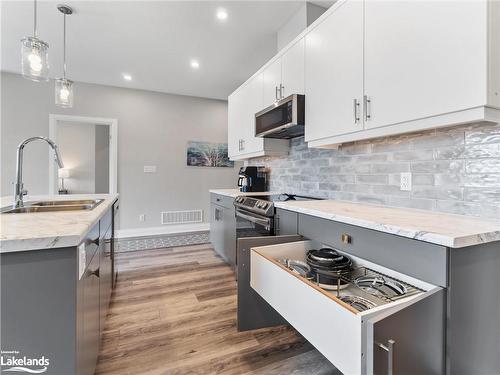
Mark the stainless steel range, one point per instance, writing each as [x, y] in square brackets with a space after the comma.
[255, 214]
[255, 223]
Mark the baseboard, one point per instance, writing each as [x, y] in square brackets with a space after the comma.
[167, 229]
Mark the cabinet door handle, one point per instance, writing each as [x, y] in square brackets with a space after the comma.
[276, 93]
[242, 145]
[389, 348]
[282, 88]
[94, 273]
[356, 110]
[368, 107]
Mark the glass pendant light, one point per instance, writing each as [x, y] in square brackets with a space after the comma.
[35, 55]
[64, 86]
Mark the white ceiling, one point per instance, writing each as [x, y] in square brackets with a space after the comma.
[153, 41]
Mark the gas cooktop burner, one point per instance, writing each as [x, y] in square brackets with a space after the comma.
[359, 303]
[381, 286]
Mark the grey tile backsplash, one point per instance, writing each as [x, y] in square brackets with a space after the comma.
[454, 170]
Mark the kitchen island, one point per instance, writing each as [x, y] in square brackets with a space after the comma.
[57, 273]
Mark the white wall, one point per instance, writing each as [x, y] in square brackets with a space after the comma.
[306, 15]
[102, 158]
[76, 143]
[153, 129]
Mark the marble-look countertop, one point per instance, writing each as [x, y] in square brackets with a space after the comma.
[452, 231]
[43, 230]
[233, 193]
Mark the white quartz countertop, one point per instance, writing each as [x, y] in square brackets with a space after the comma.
[233, 193]
[42, 230]
[442, 229]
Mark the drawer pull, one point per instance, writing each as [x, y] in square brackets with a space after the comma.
[94, 273]
[346, 238]
[389, 348]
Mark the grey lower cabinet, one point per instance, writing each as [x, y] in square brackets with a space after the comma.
[449, 327]
[90, 316]
[223, 228]
[96, 283]
[286, 222]
[217, 228]
[105, 276]
[400, 337]
[253, 312]
[54, 301]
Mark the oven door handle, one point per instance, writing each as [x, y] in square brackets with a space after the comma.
[265, 222]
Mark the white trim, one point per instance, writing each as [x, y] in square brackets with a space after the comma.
[463, 117]
[113, 147]
[152, 231]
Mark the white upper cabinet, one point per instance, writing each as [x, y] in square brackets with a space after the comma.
[233, 108]
[252, 96]
[424, 58]
[272, 83]
[334, 73]
[285, 75]
[292, 70]
[373, 69]
[242, 106]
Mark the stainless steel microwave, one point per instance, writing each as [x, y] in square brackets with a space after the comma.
[283, 119]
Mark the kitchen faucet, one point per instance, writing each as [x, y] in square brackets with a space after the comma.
[19, 191]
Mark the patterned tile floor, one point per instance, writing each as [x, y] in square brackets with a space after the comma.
[156, 242]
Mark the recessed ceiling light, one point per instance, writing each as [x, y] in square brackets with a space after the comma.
[195, 64]
[221, 14]
[127, 77]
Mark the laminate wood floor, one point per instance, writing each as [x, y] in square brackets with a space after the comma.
[174, 312]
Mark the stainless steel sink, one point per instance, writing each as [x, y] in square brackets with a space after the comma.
[53, 206]
[92, 202]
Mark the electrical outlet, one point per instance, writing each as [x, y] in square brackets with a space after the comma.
[142, 217]
[405, 184]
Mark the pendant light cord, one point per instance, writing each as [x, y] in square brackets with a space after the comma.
[64, 48]
[35, 31]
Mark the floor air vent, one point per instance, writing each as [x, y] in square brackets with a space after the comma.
[182, 217]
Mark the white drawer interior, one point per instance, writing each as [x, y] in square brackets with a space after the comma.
[333, 327]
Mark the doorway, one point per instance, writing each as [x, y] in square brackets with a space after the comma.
[88, 148]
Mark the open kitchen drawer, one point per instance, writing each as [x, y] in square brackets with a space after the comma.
[396, 337]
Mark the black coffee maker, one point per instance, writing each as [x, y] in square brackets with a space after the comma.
[252, 179]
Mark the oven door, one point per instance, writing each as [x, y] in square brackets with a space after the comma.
[249, 224]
